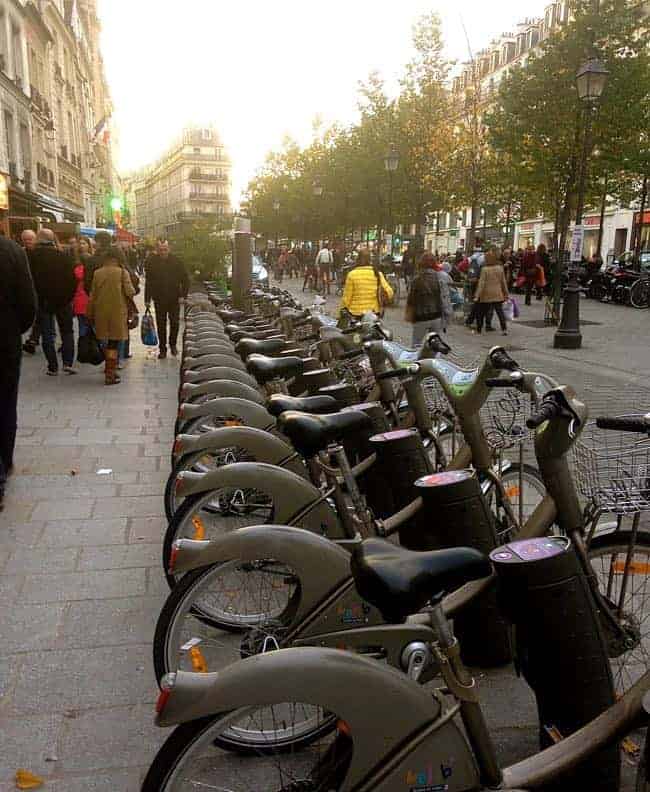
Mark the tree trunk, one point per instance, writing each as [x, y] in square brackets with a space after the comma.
[599, 244]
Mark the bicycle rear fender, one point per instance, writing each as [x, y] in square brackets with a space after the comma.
[230, 360]
[319, 564]
[262, 446]
[381, 706]
[250, 413]
[191, 377]
[296, 501]
[226, 387]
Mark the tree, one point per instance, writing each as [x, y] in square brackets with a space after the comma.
[203, 250]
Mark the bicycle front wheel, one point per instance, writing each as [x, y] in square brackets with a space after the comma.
[524, 494]
[640, 293]
[626, 589]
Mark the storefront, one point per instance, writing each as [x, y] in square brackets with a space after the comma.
[645, 229]
[525, 234]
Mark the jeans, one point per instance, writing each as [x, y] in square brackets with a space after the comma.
[166, 309]
[9, 377]
[485, 310]
[83, 325]
[64, 321]
[420, 329]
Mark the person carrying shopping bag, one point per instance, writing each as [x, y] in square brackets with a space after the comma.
[491, 292]
[108, 309]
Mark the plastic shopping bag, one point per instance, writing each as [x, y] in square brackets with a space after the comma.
[148, 329]
[515, 308]
[508, 310]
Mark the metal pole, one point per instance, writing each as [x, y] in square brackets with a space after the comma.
[242, 264]
[601, 229]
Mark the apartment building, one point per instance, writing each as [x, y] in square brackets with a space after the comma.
[55, 152]
[190, 181]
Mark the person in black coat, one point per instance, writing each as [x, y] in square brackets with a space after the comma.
[55, 283]
[166, 283]
[17, 310]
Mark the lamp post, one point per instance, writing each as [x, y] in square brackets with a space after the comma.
[590, 82]
[276, 209]
[391, 163]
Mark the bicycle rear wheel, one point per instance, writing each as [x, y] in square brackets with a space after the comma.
[529, 491]
[607, 554]
[640, 293]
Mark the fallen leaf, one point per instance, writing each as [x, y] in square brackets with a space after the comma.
[27, 780]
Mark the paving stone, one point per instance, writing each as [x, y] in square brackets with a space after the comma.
[148, 506]
[112, 451]
[156, 582]
[74, 533]
[158, 450]
[110, 622]
[121, 737]
[154, 477]
[28, 533]
[117, 781]
[120, 556]
[38, 560]
[5, 552]
[119, 463]
[72, 509]
[29, 628]
[69, 586]
[156, 489]
[10, 589]
[57, 681]
[147, 529]
[6, 669]
[27, 742]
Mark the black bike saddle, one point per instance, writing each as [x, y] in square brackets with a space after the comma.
[279, 403]
[310, 434]
[265, 368]
[401, 582]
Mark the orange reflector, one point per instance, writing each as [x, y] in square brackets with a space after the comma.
[635, 568]
[513, 491]
[343, 727]
[198, 661]
[232, 422]
[630, 747]
[177, 446]
[172, 558]
[199, 528]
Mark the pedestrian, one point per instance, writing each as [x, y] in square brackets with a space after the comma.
[292, 263]
[529, 271]
[491, 292]
[476, 263]
[103, 243]
[543, 269]
[28, 242]
[166, 283]
[424, 305]
[55, 283]
[324, 261]
[17, 311]
[408, 263]
[508, 266]
[80, 299]
[108, 309]
[311, 272]
[366, 289]
[282, 264]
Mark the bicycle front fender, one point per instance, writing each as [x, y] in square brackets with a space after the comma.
[226, 387]
[194, 350]
[296, 501]
[231, 360]
[319, 564]
[251, 413]
[196, 377]
[258, 444]
[365, 694]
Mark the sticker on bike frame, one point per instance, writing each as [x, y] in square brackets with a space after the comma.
[199, 527]
[530, 549]
[444, 479]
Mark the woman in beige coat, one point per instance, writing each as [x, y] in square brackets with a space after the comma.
[491, 292]
[108, 310]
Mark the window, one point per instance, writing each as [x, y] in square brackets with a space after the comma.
[17, 52]
[197, 150]
[25, 147]
[8, 120]
[206, 134]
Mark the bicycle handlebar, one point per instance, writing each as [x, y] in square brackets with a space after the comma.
[548, 410]
[500, 382]
[434, 341]
[502, 361]
[640, 424]
[395, 373]
[351, 354]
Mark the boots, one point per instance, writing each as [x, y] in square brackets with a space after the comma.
[110, 367]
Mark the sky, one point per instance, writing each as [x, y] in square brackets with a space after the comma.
[263, 70]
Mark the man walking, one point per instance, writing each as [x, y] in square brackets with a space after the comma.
[17, 309]
[324, 261]
[166, 284]
[55, 283]
[28, 241]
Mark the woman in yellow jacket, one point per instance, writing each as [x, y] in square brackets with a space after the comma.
[361, 292]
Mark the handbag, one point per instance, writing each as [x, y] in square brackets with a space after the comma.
[148, 329]
[89, 350]
[133, 317]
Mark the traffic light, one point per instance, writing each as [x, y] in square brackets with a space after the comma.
[116, 203]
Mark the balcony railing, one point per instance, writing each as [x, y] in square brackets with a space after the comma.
[201, 196]
[196, 175]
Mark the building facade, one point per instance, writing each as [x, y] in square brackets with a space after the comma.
[55, 152]
[191, 181]
[449, 230]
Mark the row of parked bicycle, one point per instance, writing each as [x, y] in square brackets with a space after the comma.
[345, 525]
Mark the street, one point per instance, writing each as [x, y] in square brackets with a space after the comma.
[80, 539]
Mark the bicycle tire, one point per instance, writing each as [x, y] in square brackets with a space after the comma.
[640, 293]
[617, 543]
[510, 481]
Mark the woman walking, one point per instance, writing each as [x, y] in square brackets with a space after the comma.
[80, 299]
[491, 292]
[426, 307]
[366, 289]
[108, 309]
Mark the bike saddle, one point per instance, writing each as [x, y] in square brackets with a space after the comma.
[310, 434]
[260, 346]
[401, 582]
[230, 315]
[259, 335]
[265, 368]
[279, 403]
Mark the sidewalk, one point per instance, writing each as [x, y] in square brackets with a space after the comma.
[81, 582]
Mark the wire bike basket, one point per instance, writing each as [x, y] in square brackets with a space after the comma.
[504, 416]
[613, 469]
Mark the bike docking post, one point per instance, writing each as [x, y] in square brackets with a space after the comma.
[559, 647]
[455, 514]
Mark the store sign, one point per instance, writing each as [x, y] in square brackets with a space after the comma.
[527, 227]
[4, 192]
[577, 239]
[646, 218]
[594, 220]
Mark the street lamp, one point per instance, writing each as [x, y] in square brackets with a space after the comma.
[590, 84]
[276, 209]
[391, 163]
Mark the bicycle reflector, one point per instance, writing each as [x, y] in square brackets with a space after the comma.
[177, 447]
[166, 686]
[173, 556]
